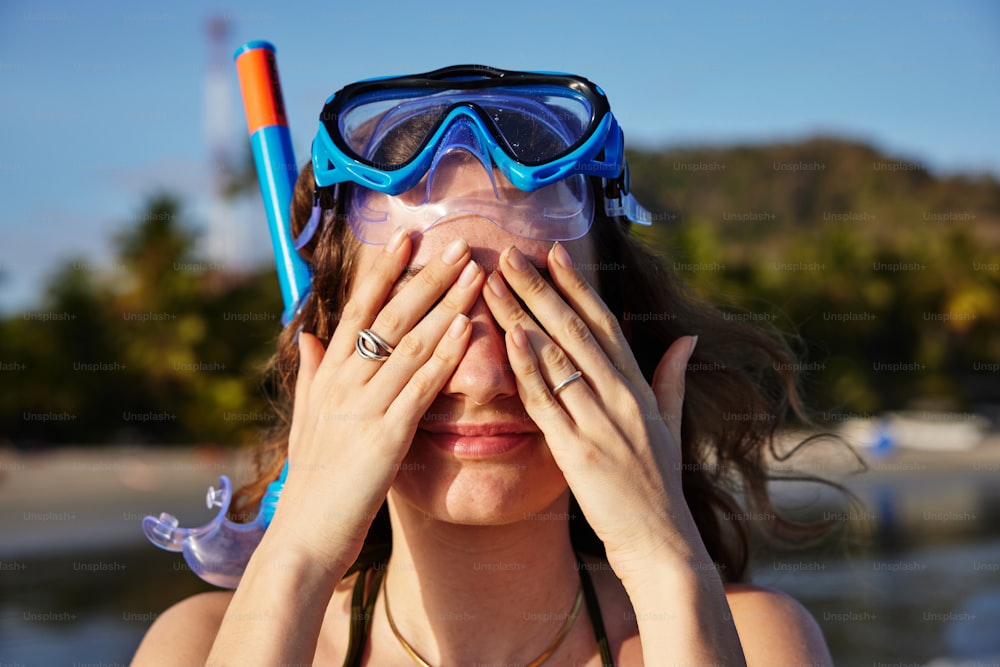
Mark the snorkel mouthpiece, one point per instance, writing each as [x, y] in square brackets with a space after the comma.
[219, 551]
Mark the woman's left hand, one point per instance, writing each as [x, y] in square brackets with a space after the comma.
[615, 437]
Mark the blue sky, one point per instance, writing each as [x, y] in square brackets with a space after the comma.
[104, 103]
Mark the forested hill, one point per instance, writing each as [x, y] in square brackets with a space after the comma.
[777, 186]
[889, 272]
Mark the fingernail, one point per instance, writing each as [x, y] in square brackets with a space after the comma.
[455, 251]
[516, 259]
[458, 326]
[694, 343]
[497, 285]
[396, 240]
[469, 273]
[520, 338]
[561, 256]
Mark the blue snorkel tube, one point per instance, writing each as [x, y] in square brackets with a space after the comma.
[219, 551]
[274, 159]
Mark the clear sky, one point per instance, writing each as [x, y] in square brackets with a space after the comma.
[104, 103]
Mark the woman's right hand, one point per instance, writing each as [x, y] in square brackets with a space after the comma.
[354, 418]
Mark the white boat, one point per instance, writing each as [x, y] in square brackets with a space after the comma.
[918, 429]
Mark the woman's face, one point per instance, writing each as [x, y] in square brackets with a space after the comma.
[477, 458]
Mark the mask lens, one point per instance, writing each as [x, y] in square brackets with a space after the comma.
[389, 132]
[541, 126]
[532, 124]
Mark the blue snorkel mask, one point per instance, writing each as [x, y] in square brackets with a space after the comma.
[538, 140]
[544, 134]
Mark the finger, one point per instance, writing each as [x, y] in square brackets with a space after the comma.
[372, 287]
[556, 372]
[547, 357]
[555, 393]
[669, 382]
[452, 271]
[601, 322]
[311, 353]
[424, 384]
[420, 343]
[533, 388]
[560, 321]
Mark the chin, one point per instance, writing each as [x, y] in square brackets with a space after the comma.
[486, 483]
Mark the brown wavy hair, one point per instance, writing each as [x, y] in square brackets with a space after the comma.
[741, 385]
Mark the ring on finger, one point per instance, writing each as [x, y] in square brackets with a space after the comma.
[372, 346]
[565, 383]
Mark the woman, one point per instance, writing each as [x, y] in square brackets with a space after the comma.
[489, 375]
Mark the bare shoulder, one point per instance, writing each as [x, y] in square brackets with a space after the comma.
[184, 633]
[775, 629]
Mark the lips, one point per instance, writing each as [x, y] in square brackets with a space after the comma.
[474, 441]
[480, 429]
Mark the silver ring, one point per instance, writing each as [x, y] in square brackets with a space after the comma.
[372, 346]
[562, 385]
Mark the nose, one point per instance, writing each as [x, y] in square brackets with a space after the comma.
[483, 375]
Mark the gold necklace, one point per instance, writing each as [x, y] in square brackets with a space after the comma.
[546, 654]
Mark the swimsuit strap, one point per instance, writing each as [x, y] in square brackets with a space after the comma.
[361, 615]
[594, 611]
[362, 611]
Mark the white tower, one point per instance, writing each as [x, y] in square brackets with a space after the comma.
[225, 240]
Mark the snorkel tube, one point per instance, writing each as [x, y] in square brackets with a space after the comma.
[274, 158]
[219, 551]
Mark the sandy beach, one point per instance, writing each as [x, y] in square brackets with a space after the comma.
[76, 498]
